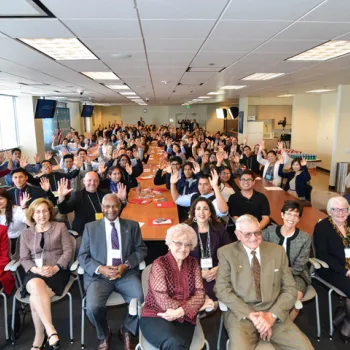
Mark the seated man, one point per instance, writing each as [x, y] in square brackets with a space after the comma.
[249, 201]
[256, 284]
[111, 250]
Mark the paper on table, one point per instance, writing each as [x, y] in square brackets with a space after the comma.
[146, 170]
[141, 224]
[273, 188]
[146, 177]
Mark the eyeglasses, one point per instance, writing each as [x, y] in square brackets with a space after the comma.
[185, 245]
[291, 215]
[250, 234]
[246, 180]
[37, 212]
[340, 210]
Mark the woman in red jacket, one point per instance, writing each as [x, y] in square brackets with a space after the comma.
[6, 279]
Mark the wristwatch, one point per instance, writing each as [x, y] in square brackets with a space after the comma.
[127, 265]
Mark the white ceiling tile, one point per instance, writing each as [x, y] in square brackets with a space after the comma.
[269, 10]
[182, 9]
[197, 78]
[85, 65]
[176, 28]
[220, 59]
[114, 45]
[91, 8]
[108, 57]
[288, 46]
[314, 31]
[104, 28]
[157, 44]
[171, 58]
[34, 28]
[331, 11]
[247, 30]
[230, 45]
[20, 8]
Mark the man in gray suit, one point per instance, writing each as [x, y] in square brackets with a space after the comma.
[110, 253]
[256, 284]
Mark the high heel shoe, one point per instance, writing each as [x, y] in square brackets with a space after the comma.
[42, 345]
[56, 345]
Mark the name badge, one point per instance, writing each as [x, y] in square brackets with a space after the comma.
[207, 263]
[98, 216]
[347, 253]
[39, 262]
[268, 177]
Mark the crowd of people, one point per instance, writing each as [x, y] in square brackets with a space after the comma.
[257, 269]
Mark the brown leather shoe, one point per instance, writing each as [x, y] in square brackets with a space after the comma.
[127, 339]
[104, 344]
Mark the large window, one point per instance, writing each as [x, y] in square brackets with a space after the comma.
[8, 122]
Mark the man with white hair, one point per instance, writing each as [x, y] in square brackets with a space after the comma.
[256, 284]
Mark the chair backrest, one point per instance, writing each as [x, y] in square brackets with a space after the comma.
[74, 246]
[144, 279]
[319, 199]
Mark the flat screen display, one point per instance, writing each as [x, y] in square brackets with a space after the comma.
[87, 111]
[45, 109]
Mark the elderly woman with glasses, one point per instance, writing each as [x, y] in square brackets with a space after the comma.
[45, 252]
[175, 293]
[332, 245]
[297, 245]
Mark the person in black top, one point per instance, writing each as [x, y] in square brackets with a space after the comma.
[19, 177]
[250, 161]
[249, 201]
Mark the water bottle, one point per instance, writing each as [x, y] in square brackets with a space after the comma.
[138, 191]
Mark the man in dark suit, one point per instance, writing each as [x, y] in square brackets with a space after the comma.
[111, 250]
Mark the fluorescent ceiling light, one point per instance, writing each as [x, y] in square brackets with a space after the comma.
[215, 93]
[204, 97]
[324, 52]
[286, 95]
[134, 96]
[61, 48]
[101, 75]
[319, 91]
[127, 93]
[137, 100]
[118, 87]
[197, 99]
[232, 87]
[263, 76]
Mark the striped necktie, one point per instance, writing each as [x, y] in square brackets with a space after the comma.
[255, 266]
[115, 243]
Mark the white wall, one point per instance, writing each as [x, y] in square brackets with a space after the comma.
[76, 121]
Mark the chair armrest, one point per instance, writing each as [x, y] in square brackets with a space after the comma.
[75, 265]
[142, 265]
[9, 265]
[314, 263]
[322, 263]
[73, 233]
[222, 306]
[133, 307]
[14, 267]
[80, 270]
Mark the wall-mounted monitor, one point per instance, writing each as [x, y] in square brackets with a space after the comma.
[45, 109]
[221, 113]
[87, 111]
[233, 112]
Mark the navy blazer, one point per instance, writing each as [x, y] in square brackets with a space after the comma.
[93, 249]
[300, 182]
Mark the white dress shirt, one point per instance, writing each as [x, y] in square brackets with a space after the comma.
[250, 256]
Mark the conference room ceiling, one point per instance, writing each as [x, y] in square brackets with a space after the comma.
[178, 49]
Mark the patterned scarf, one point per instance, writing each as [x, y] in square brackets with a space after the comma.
[345, 240]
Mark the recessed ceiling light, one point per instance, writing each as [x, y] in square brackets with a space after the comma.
[61, 48]
[232, 87]
[118, 87]
[121, 55]
[324, 52]
[137, 100]
[204, 97]
[215, 93]
[286, 95]
[319, 90]
[101, 75]
[127, 93]
[133, 96]
[263, 76]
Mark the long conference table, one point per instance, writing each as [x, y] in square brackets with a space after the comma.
[144, 213]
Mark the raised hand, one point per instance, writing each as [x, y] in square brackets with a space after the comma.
[62, 188]
[303, 162]
[220, 157]
[128, 168]
[200, 152]
[64, 152]
[53, 138]
[24, 200]
[205, 159]
[2, 156]
[163, 164]
[37, 158]
[196, 168]
[214, 179]
[195, 143]
[78, 162]
[102, 168]
[237, 158]
[135, 153]
[100, 142]
[121, 191]
[48, 155]
[45, 183]
[23, 162]
[174, 178]
[245, 140]
[280, 145]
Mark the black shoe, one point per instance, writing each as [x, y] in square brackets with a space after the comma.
[42, 345]
[344, 338]
[56, 345]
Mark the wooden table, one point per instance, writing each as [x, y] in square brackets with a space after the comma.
[276, 199]
[143, 212]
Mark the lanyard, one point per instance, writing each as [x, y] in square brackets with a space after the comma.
[207, 253]
[93, 203]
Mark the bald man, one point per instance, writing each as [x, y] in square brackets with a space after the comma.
[86, 203]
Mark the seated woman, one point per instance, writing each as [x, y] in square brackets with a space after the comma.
[332, 242]
[6, 279]
[297, 245]
[227, 184]
[297, 178]
[116, 176]
[175, 293]
[45, 252]
[211, 235]
[13, 216]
